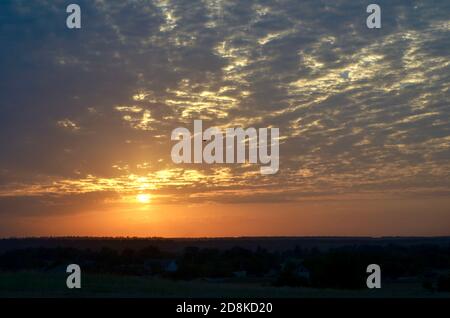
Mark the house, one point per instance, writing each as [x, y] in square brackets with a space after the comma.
[158, 266]
[302, 271]
[171, 266]
[240, 274]
[297, 268]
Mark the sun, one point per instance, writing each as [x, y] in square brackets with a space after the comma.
[143, 198]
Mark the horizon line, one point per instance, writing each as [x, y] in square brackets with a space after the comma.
[220, 237]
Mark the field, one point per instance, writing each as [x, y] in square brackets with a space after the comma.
[225, 268]
[35, 284]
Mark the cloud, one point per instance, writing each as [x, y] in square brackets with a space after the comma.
[360, 111]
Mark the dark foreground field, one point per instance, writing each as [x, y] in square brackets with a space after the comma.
[33, 284]
[241, 267]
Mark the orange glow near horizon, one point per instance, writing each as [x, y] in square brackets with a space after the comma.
[372, 218]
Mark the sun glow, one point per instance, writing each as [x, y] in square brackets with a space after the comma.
[143, 198]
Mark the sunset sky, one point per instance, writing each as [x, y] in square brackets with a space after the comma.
[86, 117]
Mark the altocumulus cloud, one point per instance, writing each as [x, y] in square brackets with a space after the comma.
[88, 113]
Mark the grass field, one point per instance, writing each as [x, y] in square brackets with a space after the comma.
[35, 284]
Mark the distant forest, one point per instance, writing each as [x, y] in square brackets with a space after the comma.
[340, 266]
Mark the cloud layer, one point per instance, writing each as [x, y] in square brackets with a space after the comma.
[86, 115]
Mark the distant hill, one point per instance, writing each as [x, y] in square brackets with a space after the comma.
[178, 244]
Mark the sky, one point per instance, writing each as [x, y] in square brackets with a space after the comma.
[86, 117]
